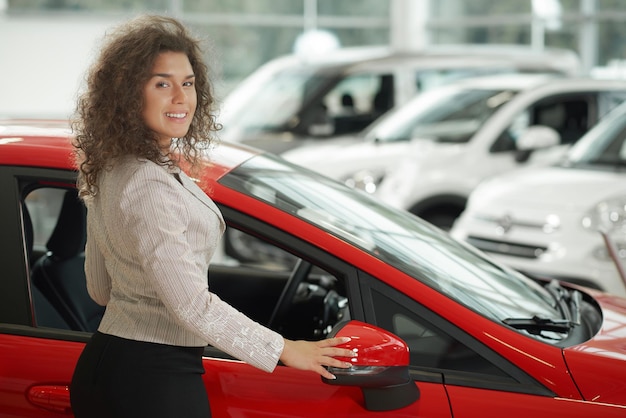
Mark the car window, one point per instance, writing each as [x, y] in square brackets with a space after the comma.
[54, 223]
[429, 346]
[44, 205]
[437, 346]
[271, 284]
[441, 115]
[241, 249]
[277, 100]
[353, 95]
[570, 115]
[349, 106]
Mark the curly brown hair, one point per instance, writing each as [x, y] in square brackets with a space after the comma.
[108, 125]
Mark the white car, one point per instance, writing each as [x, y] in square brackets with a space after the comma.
[427, 156]
[295, 100]
[546, 220]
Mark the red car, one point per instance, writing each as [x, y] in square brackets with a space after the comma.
[442, 331]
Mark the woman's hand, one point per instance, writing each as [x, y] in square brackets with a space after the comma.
[314, 355]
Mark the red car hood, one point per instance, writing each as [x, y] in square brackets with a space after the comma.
[598, 366]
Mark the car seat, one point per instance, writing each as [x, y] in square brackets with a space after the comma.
[60, 274]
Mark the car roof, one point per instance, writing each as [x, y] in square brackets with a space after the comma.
[513, 81]
[47, 143]
[359, 58]
[525, 81]
[35, 143]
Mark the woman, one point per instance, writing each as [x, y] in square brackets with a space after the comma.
[152, 232]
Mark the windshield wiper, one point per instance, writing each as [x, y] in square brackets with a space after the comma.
[536, 325]
[574, 302]
[567, 300]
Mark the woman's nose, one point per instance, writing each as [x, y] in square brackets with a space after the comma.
[179, 96]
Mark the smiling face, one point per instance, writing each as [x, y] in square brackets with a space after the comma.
[170, 97]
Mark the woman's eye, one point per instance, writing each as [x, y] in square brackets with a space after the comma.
[162, 84]
[188, 83]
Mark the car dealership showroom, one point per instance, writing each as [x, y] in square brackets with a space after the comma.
[385, 208]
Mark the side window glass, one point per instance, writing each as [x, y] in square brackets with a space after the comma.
[568, 116]
[242, 249]
[43, 205]
[353, 95]
[58, 285]
[429, 346]
[354, 103]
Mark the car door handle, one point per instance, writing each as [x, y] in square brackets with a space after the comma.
[54, 398]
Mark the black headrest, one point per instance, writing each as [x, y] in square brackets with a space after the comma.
[70, 233]
[347, 100]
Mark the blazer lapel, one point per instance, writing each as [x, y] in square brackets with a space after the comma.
[195, 190]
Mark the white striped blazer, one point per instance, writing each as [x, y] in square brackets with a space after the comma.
[150, 237]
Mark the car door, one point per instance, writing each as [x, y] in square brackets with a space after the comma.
[456, 374]
[36, 367]
[236, 389]
[36, 362]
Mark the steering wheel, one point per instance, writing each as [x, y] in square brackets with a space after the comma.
[299, 273]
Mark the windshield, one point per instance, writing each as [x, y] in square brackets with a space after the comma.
[443, 115]
[394, 236]
[271, 103]
[604, 145]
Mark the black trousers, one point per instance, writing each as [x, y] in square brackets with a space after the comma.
[121, 378]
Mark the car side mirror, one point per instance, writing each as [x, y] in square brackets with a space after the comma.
[381, 368]
[535, 137]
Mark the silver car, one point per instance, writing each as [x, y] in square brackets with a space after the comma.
[296, 100]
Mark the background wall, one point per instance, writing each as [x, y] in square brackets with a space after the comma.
[46, 45]
[42, 63]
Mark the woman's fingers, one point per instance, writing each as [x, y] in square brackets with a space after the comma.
[331, 342]
[325, 373]
[329, 347]
[339, 352]
[315, 356]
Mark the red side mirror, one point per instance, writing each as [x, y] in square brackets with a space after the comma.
[381, 368]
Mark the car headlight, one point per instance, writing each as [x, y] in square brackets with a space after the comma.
[366, 180]
[608, 215]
